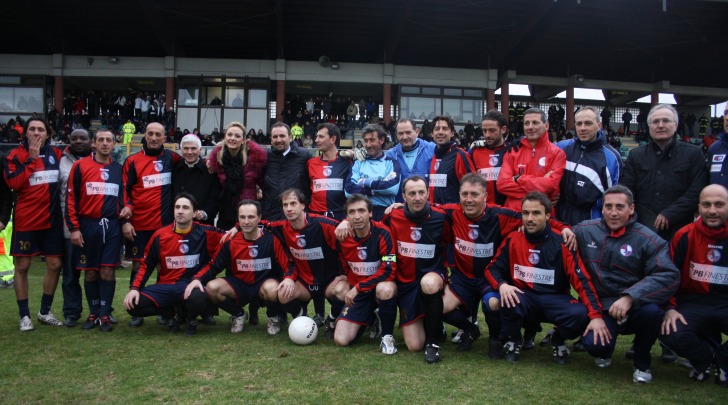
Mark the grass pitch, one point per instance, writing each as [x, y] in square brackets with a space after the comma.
[147, 364]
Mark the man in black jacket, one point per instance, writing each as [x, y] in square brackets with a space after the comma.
[191, 175]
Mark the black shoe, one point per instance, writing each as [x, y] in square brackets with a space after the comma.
[561, 355]
[329, 328]
[467, 339]
[173, 325]
[106, 325]
[136, 321]
[113, 320]
[190, 328]
[162, 321]
[699, 376]
[209, 320]
[432, 353]
[91, 322]
[668, 356]
[629, 354]
[513, 351]
[529, 342]
[495, 349]
[578, 346]
[70, 321]
[546, 341]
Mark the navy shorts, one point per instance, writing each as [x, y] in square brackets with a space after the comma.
[135, 250]
[101, 244]
[244, 293]
[317, 290]
[410, 303]
[48, 242]
[469, 291]
[165, 295]
[362, 312]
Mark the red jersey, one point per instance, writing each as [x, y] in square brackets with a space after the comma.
[148, 182]
[327, 184]
[448, 166]
[370, 260]
[488, 164]
[95, 191]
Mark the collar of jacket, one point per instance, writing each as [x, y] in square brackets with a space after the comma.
[668, 149]
[542, 141]
[538, 237]
[441, 150]
[595, 144]
[619, 232]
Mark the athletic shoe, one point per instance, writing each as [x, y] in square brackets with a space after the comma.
[125, 264]
[721, 377]
[26, 324]
[432, 353]
[273, 326]
[190, 328]
[629, 354]
[375, 328]
[319, 319]
[91, 322]
[329, 327]
[388, 345]
[209, 320]
[546, 341]
[578, 346]
[561, 355]
[642, 377]
[603, 362]
[467, 339]
[683, 362]
[699, 376]
[237, 323]
[70, 321]
[667, 356]
[495, 349]
[513, 351]
[457, 336]
[162, 321]
[113, 320]
[529, 341]
[136, 321]
[49, 319]
[106, 326]
[173, 325]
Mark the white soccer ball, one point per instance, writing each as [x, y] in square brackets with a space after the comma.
[302, 330]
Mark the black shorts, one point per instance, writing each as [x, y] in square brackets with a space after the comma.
[48, 242]
[410, 303]
[317, 290]
[165, 295]
[135, 249]
[244, 293]
[469, 291]
[101, 244]
[362, 312]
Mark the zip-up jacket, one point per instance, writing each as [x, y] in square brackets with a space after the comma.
[717, 154]
[376, 178]
[413, 162]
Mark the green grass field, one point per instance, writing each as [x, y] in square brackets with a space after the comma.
[147, 364]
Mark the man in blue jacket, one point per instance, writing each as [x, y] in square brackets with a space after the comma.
[412, 153]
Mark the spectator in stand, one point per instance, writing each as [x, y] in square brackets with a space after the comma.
[250, 135]
[626, 119]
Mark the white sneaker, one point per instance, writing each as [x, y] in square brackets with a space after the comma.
[458, 336]
[237, 323]
[26, 324]
[274, 325]
[49, 319]
[388, 345]
[603, 362]
[643, 377]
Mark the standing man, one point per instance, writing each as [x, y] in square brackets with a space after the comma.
[179, 250]
[626, 119]
[31, 170]
[129, 129]
[255, 262]
[80, 147]
[369, 261]
[488, 160]
[328, 173]
[377, 176]
[148, 194]
[606, 116]
[699, 310]
[633, 275]
[93, 203]
[191, 175]
[532, 164]
[592, 166]
[448, 165]
[286, 169]
[717, 153]
[413, 154]
[665, 175]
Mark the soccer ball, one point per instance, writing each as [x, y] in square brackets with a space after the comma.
[302, 330]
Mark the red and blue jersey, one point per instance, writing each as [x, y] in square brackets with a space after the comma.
[370, 260]
[179, 255]
[250, 261]
[95, 191]
[447, 167]
[36, 183]
[312, 248]
[148, 182]
[488, 163]
[327, 184]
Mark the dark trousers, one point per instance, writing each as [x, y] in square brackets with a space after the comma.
[71, 287]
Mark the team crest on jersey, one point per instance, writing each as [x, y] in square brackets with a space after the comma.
[473, 234]
[301, 241]
[718, 158]
[437, 164]
[713, 255]
[253, 252]
[362, 254]
[51, 160]
[415, 235]
[533, 258]
[104, 175]
[184, 248]
[626, 250]
[542, 162]
[158, 166]
[327, 171]
[493, 160]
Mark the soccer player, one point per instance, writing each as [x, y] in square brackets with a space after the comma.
[369, 261]
[532, 271]
[488, 160]
[448, 165]
[148, 183]
[328, 174]
[94, 200]
[311, 241]
[255, 262]
[180, 250]
[31, 170]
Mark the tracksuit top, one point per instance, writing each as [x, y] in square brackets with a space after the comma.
[95, 191]
[422, 153]
[448, 166]
[370, 260]
[717, 166]
[380, 177]
[148, 182]
[327, 183]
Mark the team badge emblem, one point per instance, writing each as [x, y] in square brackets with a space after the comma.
[473, 234]
[533, 258]
[437, 164]
[51, 160]
[415, 235]
[493, 160]
[362, 254]
[327, 171]
[104, 175]
[718, 158]
[184, 248]
[542, 162]
[626, 250]
[158, 166]
[713, 255]
[301, 242]
[253, 252]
